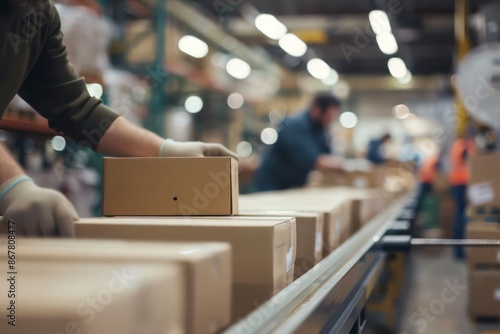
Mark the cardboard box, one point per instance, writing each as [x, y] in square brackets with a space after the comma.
[309, 236]
[263, 251]
[205, 266]
[484, 293]
[483, 255]
[94, 298]
[484, 184]
[170, 186]
[334, 209]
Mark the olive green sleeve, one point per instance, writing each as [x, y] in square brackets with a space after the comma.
[54, 90]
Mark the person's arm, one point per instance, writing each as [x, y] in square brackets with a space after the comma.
[8, 166]
[54, 90]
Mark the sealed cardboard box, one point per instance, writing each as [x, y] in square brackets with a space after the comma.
[484, 184]
[263, 251]
[484, 293]
[309, 236]
[334, 208]
[206, 268]
[170, 186]
[93, 298]
[483, 255]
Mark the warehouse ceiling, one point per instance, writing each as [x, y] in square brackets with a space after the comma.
[338, 31]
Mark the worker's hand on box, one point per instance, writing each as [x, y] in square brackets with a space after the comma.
[172, 148]
[36, 211]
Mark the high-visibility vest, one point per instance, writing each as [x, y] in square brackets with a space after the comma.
[427, 170]
[459, 174]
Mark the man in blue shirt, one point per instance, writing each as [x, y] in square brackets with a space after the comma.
[375, 149]
[303, 145]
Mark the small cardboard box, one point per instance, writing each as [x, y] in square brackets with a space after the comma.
[484, 183]
[334, 209]
[483, 255]
[94, 298]
[263, 251]
[309, 236]
[484, 293]
[206, 268]
[170, 186]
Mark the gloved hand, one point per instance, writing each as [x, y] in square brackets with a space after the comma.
[36, 211]
[172, 148]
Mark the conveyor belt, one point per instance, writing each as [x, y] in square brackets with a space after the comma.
[330, 298]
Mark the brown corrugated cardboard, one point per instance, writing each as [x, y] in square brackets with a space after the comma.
[484, 293]
[483, 255]
[309, 236]
[170, 186]
[263, 251]
[333, 207]
[95, 298]
[206, 266]
[484, 184]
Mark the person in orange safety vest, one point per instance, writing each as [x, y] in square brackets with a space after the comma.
[459, 177]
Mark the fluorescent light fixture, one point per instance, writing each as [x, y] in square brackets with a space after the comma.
[193, 104]
[348, 119]
[318, 68]
[401, 111]
[238, 68]
[293, 45]
[269, 136]
[244, 149]
[235, 101]
[379, 22]
[332, 78]
[387, 43]
[406, 79]
[270, 26]
[397, 67]
[193, 46]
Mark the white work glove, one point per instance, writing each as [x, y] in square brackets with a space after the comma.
[36, 211]
[172, 148]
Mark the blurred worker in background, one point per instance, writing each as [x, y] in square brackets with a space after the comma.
[459, 177]
[426, 175]
[377, 149]
[303, 145]
[35, 65]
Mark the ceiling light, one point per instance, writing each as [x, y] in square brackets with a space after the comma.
[332, 79]
[193, 104]
[397, 67]
[58, 143]
[193, 46]
[407, 78]
[293, 45]
[244, 149]
[387, 43]
[348, 119]
[95, 90]
[379, 21]
[238, 68]
[270, 26]
[318, 68]
[269, 136]
[235, 101]
[401, 111]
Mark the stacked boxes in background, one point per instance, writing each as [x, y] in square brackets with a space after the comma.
[335, 210]
[484, 223]
[484, 271]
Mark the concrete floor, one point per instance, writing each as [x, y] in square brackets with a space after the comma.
[422, 309]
